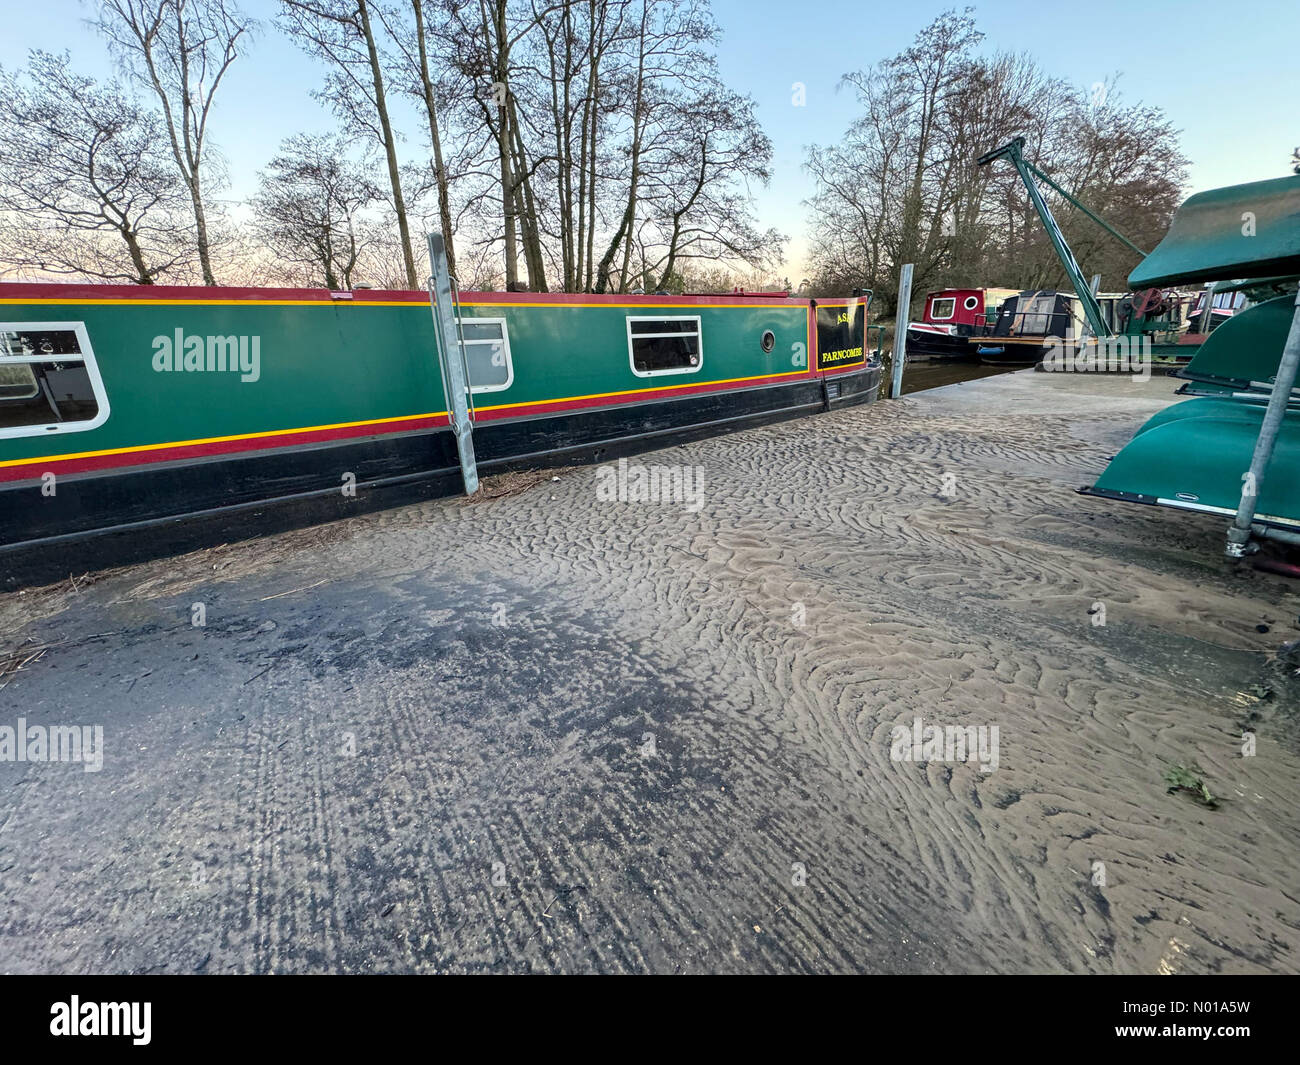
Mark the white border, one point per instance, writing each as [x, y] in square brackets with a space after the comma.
[505, 339]
[92, 371]
[699, 336]
[943, 299]
[1205, 508]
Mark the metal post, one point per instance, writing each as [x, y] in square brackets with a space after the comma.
[451, 360]
[1207, 315]
[1239, 533]
[1094, 286]
[900, 330]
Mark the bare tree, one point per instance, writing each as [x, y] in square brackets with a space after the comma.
[696, 198]
[670, 58]
[87, 183]
[310, 206]
[342, 32]
[486, 38]
[486, 60]
[902, 185]
[413, 40]
[624, 140]
[181, 50]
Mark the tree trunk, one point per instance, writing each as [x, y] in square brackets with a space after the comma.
[496, 31]
[435, 135]
[593, 96]
[201, 230]
[526, 205]
[390, 148]
[137, 256]
[591, 198]
[624, 233]
[638, 132]
[588, 105]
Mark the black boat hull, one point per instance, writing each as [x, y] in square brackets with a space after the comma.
[121, 516]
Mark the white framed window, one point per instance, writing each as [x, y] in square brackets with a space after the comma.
[940, 310]
[49, 381]
[971, 302]
[487, 351]
[664, 345]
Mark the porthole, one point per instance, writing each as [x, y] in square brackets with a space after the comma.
[970, 303]
[769, 340]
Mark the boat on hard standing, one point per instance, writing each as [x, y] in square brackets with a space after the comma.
[1234, 449]
[126, 408]
[950, 318]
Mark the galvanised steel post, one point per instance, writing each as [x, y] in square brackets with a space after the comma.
[1239, 533]
[900, 331]
[451, 360]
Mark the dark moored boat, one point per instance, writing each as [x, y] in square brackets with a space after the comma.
[1028, 324]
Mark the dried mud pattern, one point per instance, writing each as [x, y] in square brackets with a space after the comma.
[519, 745]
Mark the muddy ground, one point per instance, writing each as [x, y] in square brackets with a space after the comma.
[542, 732]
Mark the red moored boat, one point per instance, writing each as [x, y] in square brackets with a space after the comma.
[952, 316]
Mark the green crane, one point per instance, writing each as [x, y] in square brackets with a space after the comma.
[1027, 170]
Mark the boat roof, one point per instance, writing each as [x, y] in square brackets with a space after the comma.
[1045, 292]
[82, 292]
[1238, 284]
[1250, 230]
[1002, 293]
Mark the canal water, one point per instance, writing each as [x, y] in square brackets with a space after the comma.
[920, 376]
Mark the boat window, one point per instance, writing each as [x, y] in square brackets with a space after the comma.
[971, 302]
[1038, 314]
[48, 379]
[664, 345]
[487, 350]
[1230, 301]
[941, 309]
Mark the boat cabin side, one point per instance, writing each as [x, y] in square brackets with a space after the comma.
[1039, 313]
[963, 311]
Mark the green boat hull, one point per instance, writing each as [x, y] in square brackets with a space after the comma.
[1243, 353]
[1198, 455]
[1194, 455]
[124, 410]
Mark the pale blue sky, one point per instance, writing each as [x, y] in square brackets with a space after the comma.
[1228, 77]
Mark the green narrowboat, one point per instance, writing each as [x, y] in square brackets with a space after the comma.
[123, 409]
